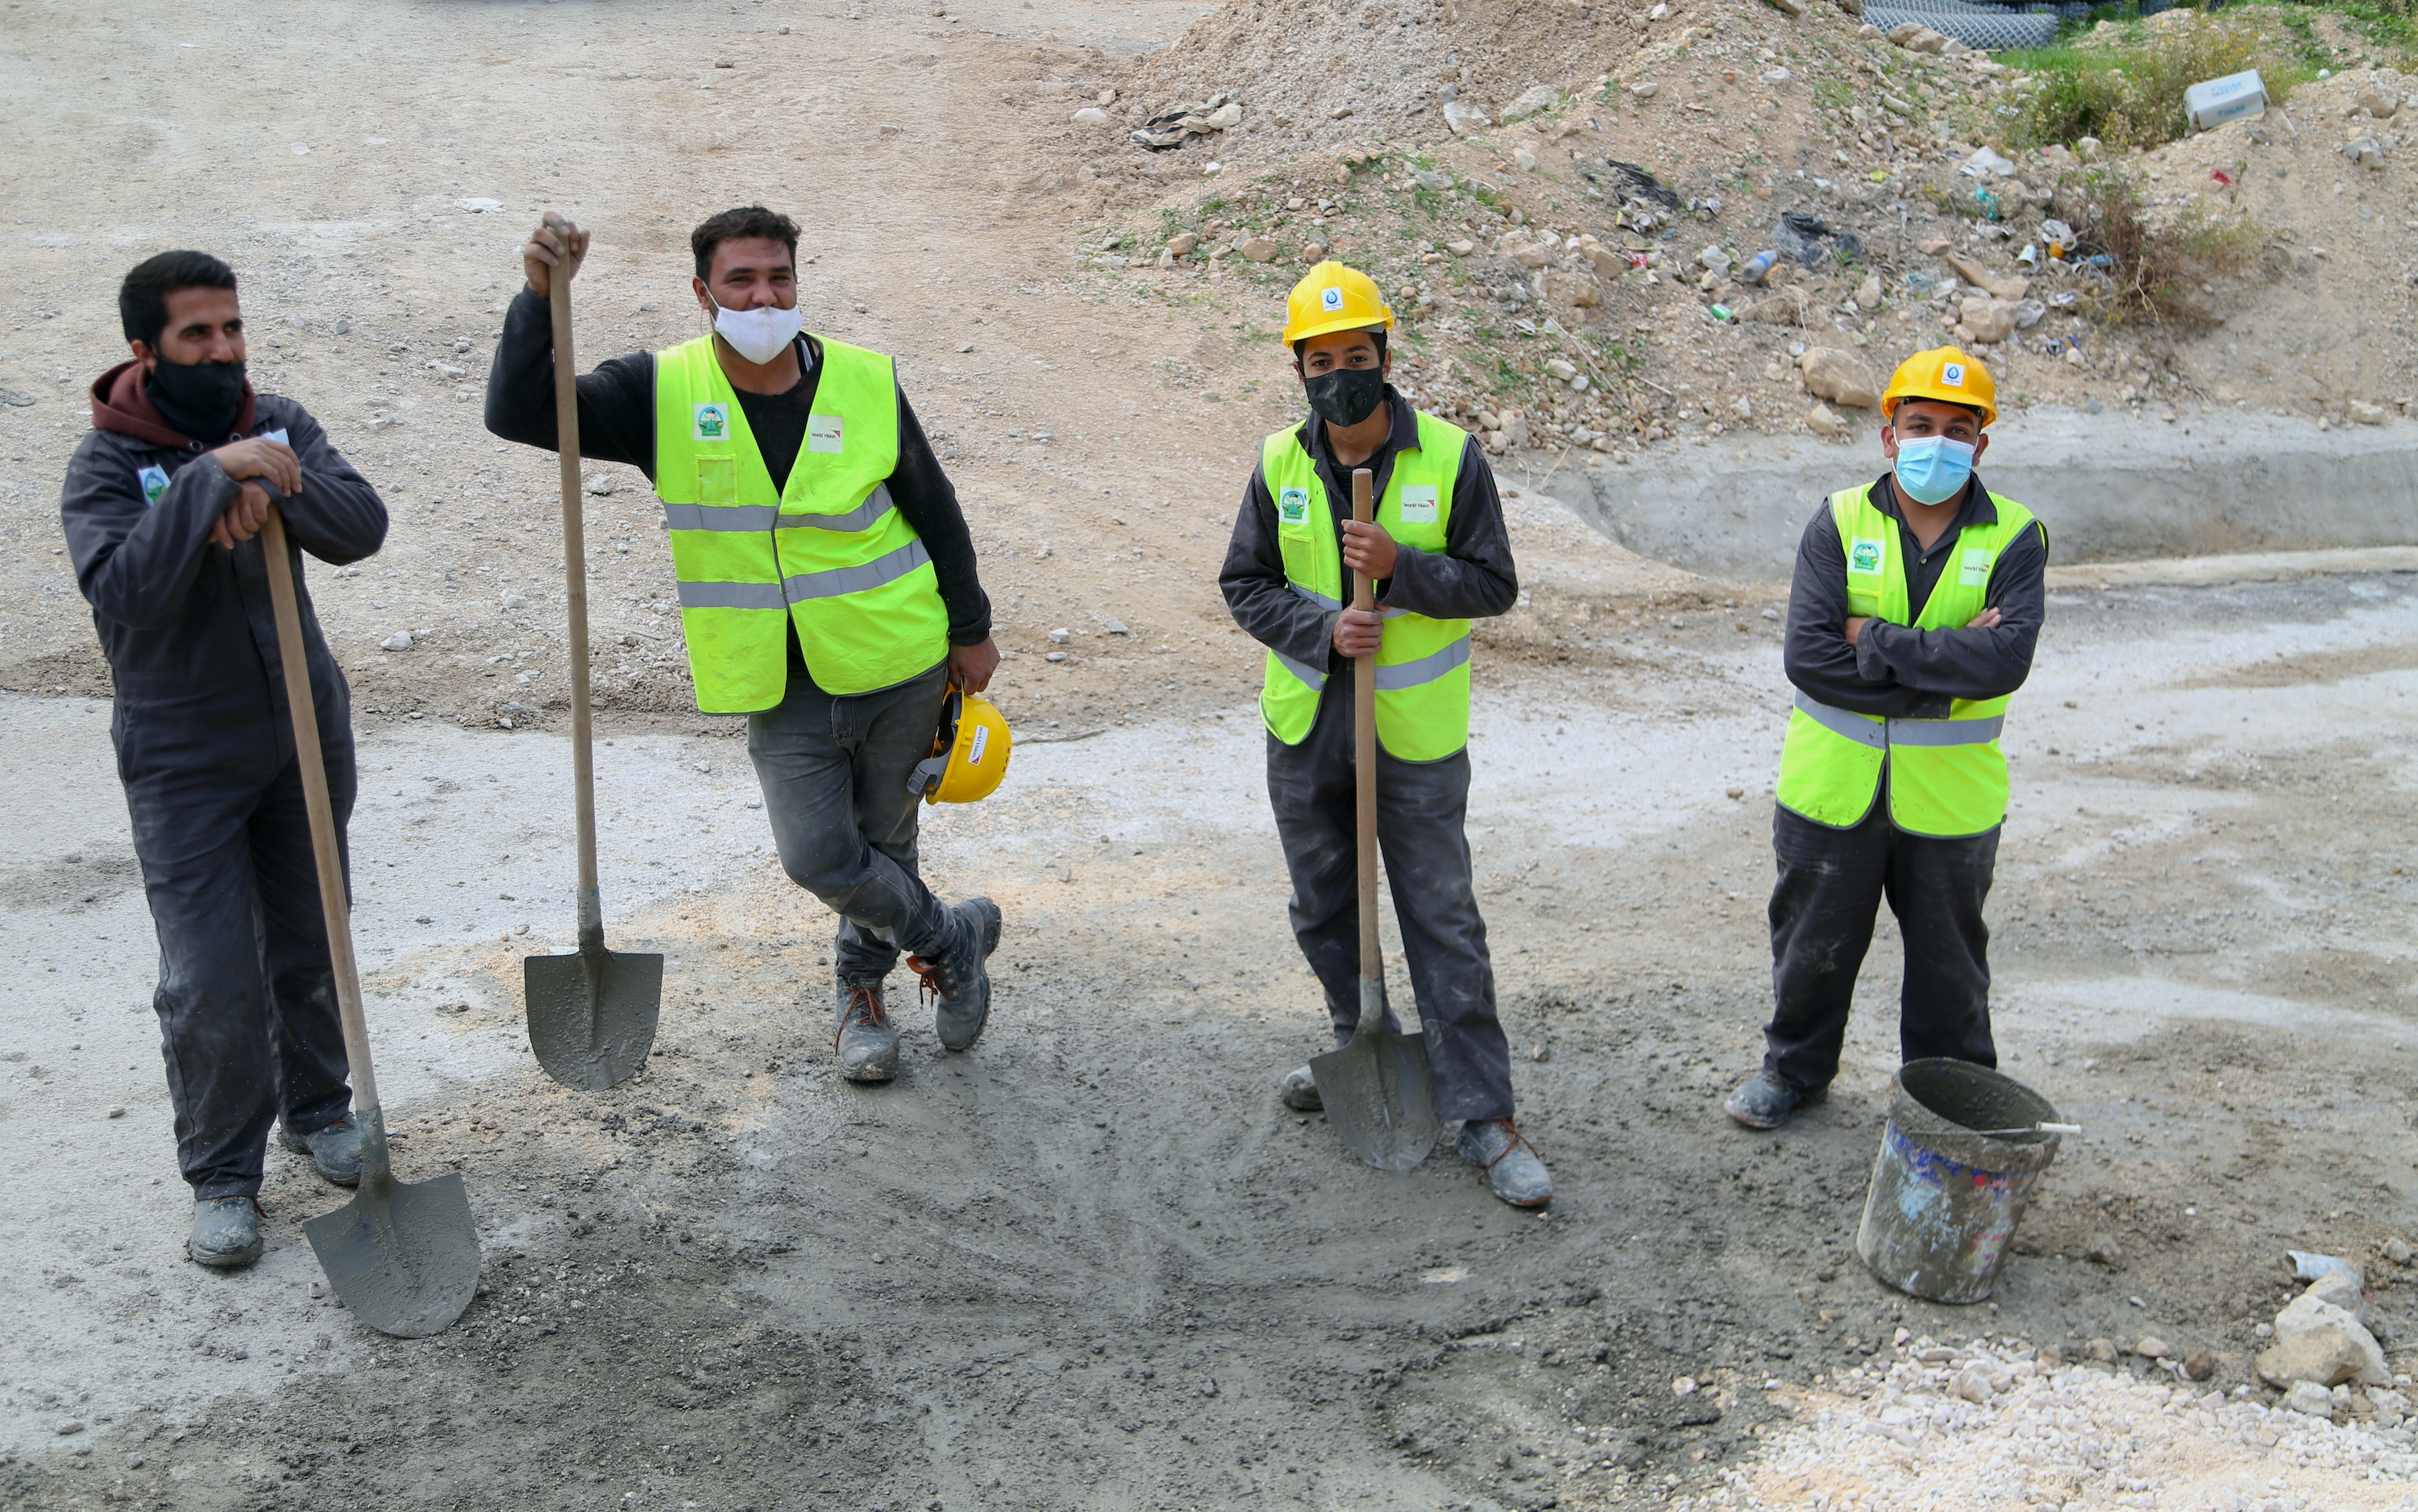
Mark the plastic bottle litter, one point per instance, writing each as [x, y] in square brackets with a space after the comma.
[1757, 267]
[1714, 260]
[2233, 97]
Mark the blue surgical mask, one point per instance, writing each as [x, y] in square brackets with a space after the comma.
[1934, 469]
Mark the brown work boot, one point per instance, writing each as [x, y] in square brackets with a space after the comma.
[862, 1041]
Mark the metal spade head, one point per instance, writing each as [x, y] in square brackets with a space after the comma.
[404, 1256]
[1379, 1098]
[591, 1017]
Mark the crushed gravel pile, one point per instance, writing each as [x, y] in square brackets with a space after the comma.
[1998, 1426]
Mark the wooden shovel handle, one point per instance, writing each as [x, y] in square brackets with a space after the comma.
[1364, 747]
[574, 564]
[332, 905]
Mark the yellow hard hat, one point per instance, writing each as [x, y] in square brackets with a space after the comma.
[1947, 375]
[969, 756]
[1331, 297]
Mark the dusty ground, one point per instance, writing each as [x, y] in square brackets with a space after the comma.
[1093, 1262]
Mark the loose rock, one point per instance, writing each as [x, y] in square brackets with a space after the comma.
[399, 641]
[2311, 1399]
[1534, 100]
[1833, 374]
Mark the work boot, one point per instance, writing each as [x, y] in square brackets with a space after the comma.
[334, 1151]
[1513, 1167]
[955, 978]
[226, 1231]
[862, 1041]
[1300, 1092]
[1763, 1101]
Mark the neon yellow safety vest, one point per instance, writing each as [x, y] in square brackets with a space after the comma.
[829, 553]
[1947, 777]
[1422, 663]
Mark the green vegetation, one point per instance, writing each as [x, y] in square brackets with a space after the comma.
[2130, 93]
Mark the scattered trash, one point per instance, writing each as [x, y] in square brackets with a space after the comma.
[1992, 207]
[2029, 312]
[1714, 260]
[2235, 97]
[1722, 311]
[2308, 1267]
[1757, 267]
[2055, 231]
[1637, 184]
[2220, 177]
[480, 207]
[1920, 284]
[2029, 256]
[1801, 236]
[1984, 163]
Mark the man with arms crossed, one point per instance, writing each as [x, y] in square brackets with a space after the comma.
[827, 589]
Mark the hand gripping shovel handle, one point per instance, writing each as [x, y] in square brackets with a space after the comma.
[1364, 767]
[575, 562]
[378, 1173]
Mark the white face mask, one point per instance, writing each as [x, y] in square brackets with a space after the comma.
[758, 335]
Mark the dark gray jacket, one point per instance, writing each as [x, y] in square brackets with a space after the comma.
[1897, 671]
[1472, 578]
[187, 625]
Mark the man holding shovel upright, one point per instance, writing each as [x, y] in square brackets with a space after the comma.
[162, 508]
[1441, 557]
[827, 589]
[1915, 609]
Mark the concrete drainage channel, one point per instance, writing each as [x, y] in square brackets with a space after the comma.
[2108, 488]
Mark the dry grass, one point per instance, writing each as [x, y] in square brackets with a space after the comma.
[2161, 272]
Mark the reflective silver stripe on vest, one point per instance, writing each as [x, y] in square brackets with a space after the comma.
[732, 596]
[863, 517]
[1319, 599]
[1945, 731]
[1308, 675]
[1882, 734]
[742, 517]
[1424, 670]
[839, 581]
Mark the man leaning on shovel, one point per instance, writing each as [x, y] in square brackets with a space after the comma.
[827, 587]
[162, 506]
[1441, 557]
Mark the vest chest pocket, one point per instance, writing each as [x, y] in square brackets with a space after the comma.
[717, 480]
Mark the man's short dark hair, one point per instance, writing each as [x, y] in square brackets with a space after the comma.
[1974, 410]
[143, 298]
[1376, 334]
[746, 222]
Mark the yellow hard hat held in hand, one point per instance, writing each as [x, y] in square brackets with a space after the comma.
[969, 757]
[1331, 297]
[1947, 375]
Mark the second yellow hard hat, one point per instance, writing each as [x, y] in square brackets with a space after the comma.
[1332, 296]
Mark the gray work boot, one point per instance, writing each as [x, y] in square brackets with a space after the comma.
[1300, 1092]
[862, 1041]
[1498, 1148]
[226, 1231]
[1763, 1101]
[955, 978]
[334, 1151]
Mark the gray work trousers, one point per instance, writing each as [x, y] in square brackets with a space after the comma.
[1823, 909]
[1420, 810]
[249, 1028]
[834, 770]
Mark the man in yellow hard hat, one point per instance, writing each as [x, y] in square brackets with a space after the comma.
[1441, 557]
[1916, 606]
[827, 589]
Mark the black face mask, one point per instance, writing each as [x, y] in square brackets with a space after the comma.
[199, 399]
[1346, 396]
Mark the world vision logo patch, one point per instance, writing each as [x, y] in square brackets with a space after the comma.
[1864, 556]
[712, 423]
[1293, 506]
[154, 482]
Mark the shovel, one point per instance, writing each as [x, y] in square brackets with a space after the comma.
[403, 1256]
[1377, 1090]
[591, 1017]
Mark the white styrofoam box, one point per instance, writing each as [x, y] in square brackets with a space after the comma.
[2229, 99]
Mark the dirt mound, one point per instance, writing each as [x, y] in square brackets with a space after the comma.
[1567, 204]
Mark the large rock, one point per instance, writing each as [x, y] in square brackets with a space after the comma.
[2343, 1289]
[1463, 117]
[1981, 278]
[1534, 100]
[1837, 377]
[1578, 290]
[2316, 1340]
[1987, 321]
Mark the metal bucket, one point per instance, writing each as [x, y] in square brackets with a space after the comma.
[1945, 1199]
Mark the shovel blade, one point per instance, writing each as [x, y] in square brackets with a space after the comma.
[591, 1018]
[1379, 1098]
[404, 1258]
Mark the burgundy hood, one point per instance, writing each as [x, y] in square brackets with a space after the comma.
[120, 404]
